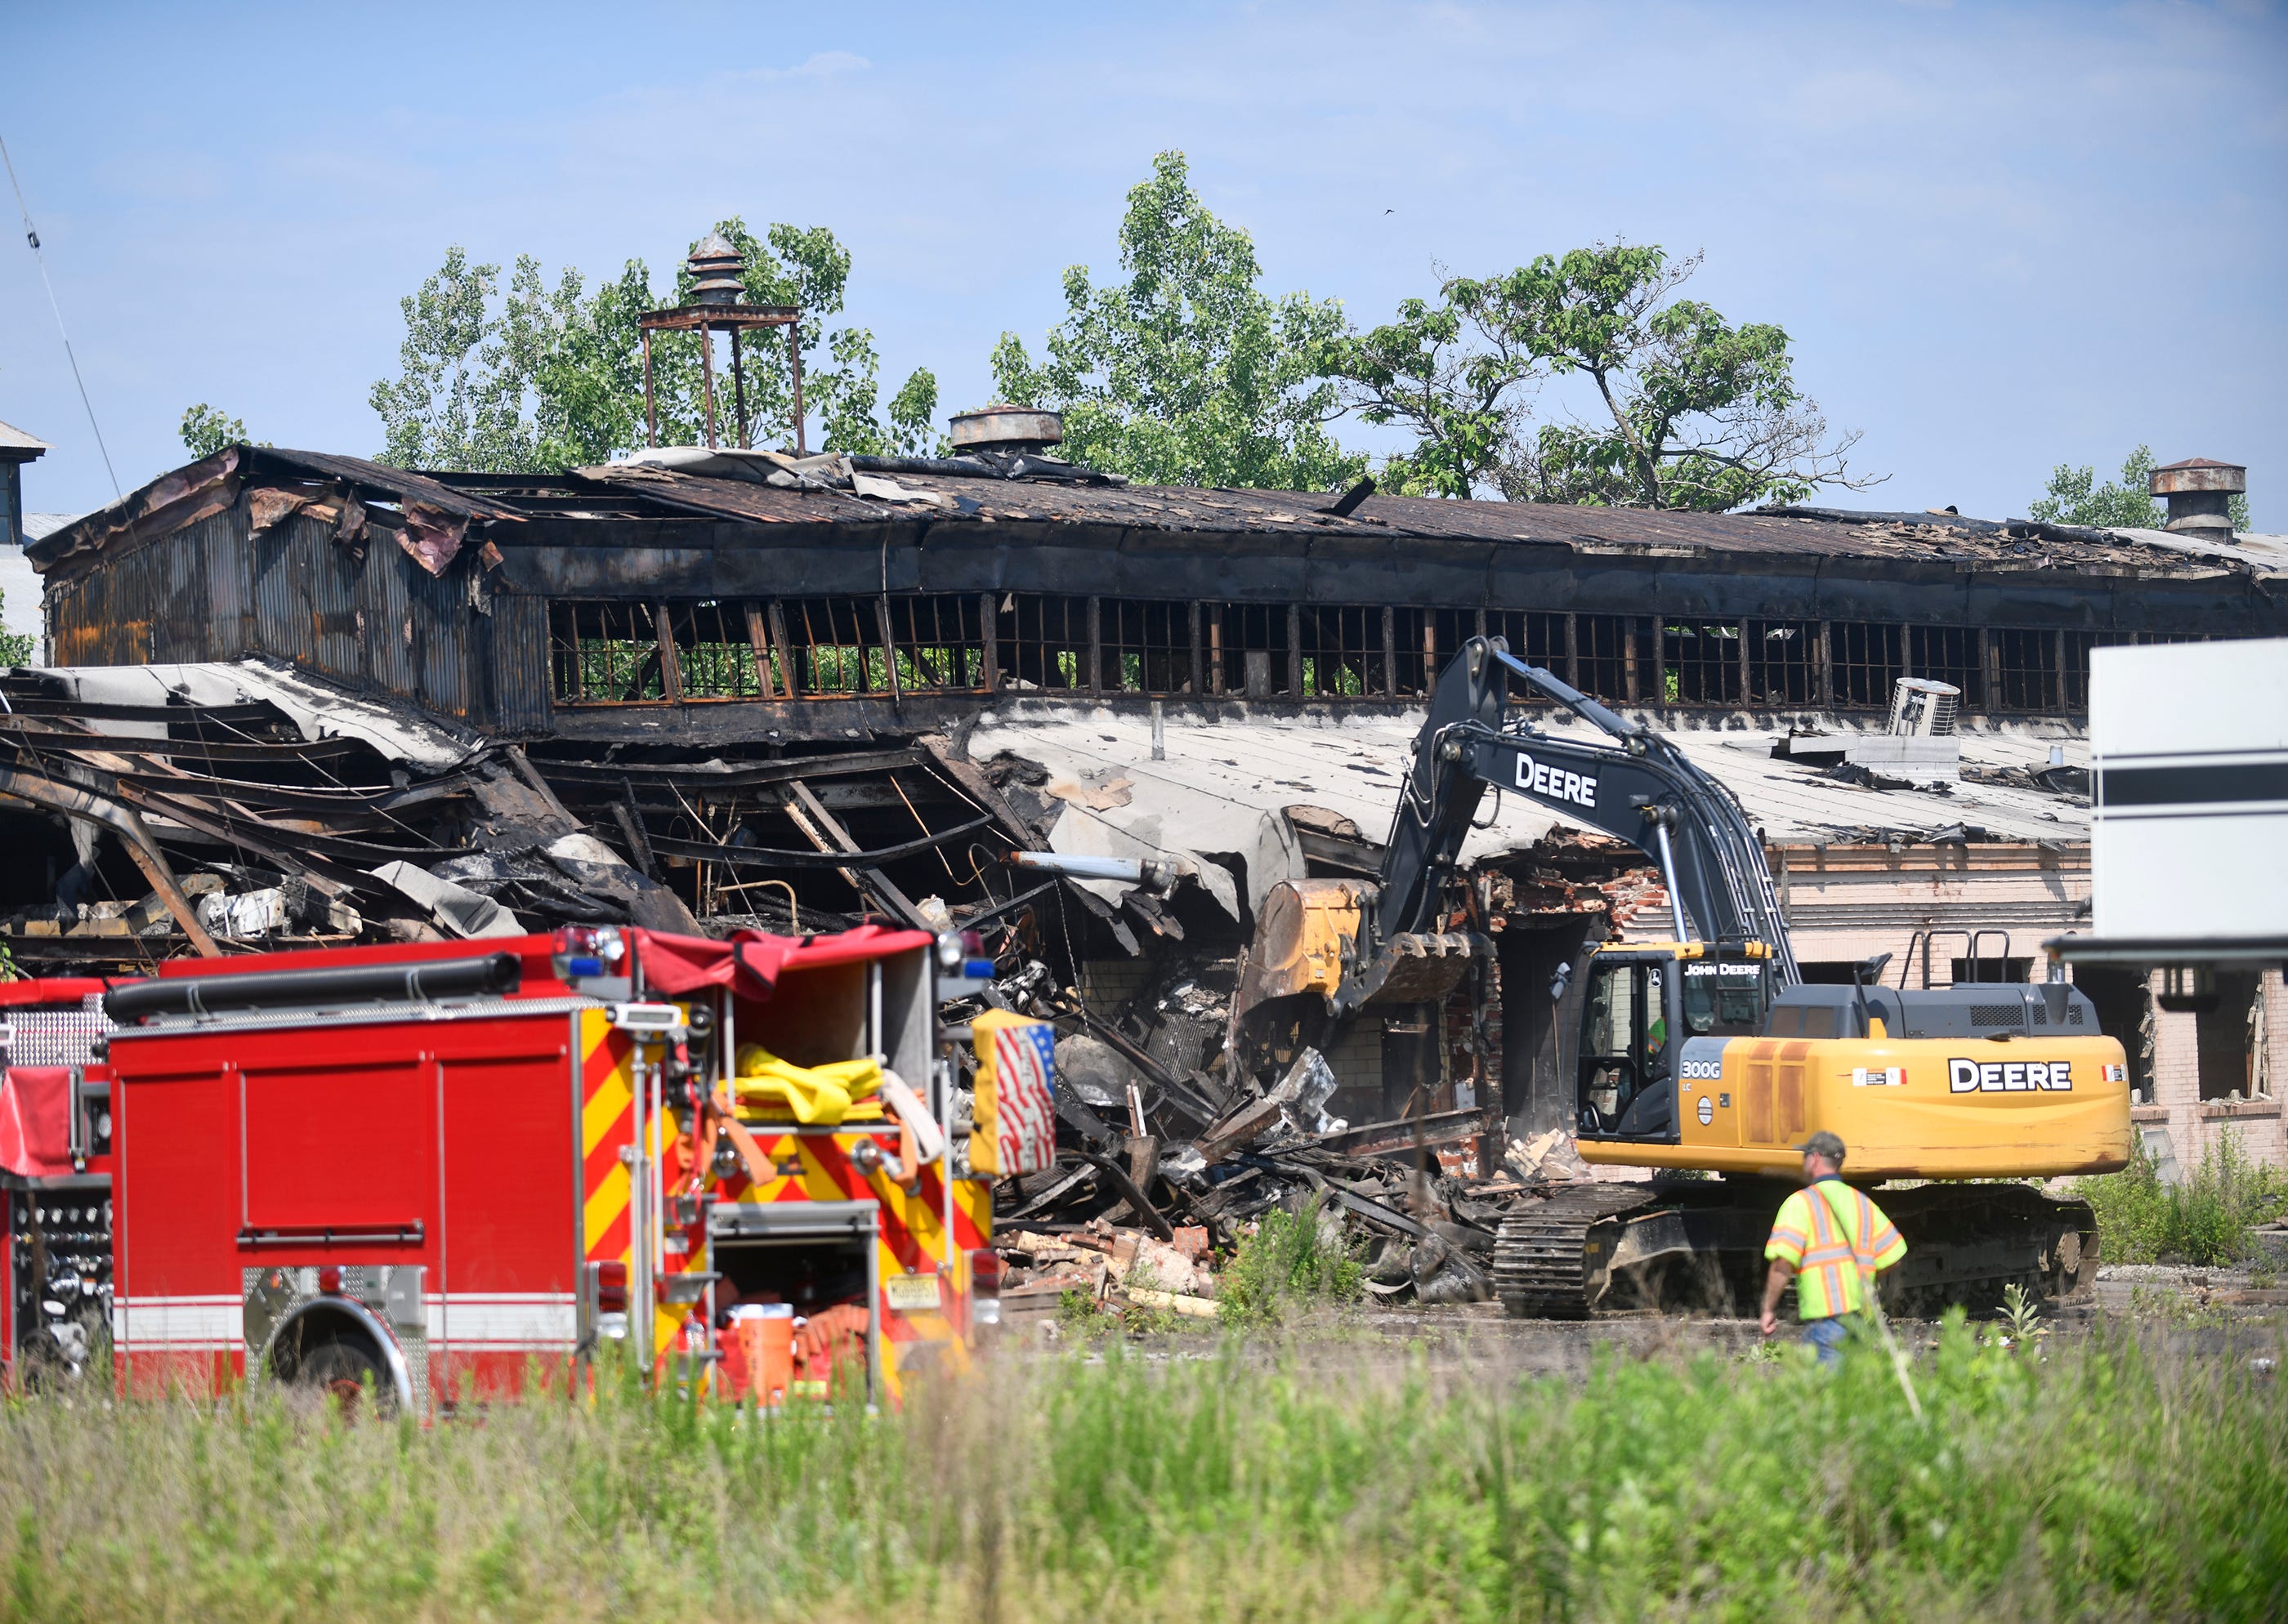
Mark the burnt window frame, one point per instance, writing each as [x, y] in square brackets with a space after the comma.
[1042, 644]
[1145, 646]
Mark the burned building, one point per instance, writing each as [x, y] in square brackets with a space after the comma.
[789, 690]
[693, 595]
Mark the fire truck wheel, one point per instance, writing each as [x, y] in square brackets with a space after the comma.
[347, 1372]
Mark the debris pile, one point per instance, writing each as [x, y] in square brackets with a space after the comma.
[1159, 1178]
[155, 811]
[192, 807]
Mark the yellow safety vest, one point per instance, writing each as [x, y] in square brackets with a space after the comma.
[1837, 1239]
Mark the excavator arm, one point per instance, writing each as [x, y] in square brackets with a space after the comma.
[1334, 946]
[1640, 788]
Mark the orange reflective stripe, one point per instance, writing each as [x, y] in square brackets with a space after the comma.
[1823, 1287]
[1826, 1237]
[1831, 1279]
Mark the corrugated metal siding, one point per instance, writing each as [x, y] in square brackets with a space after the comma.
[182, 629]
[335, 590]
[230, 586]
[520, 664]
[441, 642]
[282, 612]
[212, 591]
[388, 617]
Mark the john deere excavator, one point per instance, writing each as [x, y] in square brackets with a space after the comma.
[1708, 1054]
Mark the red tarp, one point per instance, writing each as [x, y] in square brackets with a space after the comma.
[752, 960]
[34, 1121]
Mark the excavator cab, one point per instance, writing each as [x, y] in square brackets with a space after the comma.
[1641, 1004]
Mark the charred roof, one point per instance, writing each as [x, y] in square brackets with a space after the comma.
[916, 493]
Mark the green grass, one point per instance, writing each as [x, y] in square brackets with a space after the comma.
[1287, 1262]
[2202, 1220]
[1317, 1482]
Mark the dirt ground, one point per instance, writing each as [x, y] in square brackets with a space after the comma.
[2205, 1312]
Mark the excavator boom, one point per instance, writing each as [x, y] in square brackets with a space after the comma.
[1640, 788]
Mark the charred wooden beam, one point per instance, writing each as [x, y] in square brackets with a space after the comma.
[765, 857]
[824, 831]
[75, 801]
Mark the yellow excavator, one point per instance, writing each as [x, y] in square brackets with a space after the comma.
[1708, 1054]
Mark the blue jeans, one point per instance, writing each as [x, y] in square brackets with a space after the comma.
[1828, 1336]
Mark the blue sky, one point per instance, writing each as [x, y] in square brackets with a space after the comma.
[2001, 236]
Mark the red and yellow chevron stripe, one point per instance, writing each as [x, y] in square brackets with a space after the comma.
[818, 1167]
[608, 1124]
[610, 1064]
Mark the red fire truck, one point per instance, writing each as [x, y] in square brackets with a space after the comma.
[55, 1179]
[431, 1171]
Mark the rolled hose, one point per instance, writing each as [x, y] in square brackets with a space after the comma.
[306, 989]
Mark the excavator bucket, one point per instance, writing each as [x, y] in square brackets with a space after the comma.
[1305, 937]
[1307, 964]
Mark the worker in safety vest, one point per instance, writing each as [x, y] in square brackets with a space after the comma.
[1833, 1242]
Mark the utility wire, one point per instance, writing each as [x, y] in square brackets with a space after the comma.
[33, 237]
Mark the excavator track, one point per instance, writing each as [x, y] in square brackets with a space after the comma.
[1543, 1267]
[1699, 1245]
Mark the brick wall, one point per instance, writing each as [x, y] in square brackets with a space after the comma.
[1355, 1057]
[2195, 1125]
[1107, 984]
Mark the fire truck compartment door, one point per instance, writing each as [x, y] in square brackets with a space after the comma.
[351, 1145]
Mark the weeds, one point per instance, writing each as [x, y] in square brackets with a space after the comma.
[2204, 1220]
[1081, 1314]
[1292, 1258]
[2021, 1315]
[2107, 1480]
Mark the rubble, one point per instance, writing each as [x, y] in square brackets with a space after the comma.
[1139, 1219]
[1547, 1158]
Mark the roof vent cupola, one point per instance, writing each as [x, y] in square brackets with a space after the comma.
[1014, 430]
[718, 271]
[2199, 492]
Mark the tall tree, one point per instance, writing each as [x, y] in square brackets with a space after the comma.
[540, 377]
[1688, 410]
[459, 399]
[1185, 372]
[2073, 496]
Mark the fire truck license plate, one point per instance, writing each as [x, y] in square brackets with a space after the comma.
[913, 1293]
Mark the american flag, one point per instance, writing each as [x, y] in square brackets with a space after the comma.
[1024, 1111]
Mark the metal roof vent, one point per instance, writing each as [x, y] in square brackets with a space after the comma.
[1012, 429]
[718, 271]
[1921, 707]
[2198, 491]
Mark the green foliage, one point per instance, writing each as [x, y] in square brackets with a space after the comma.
[1291, 1260]
[2104, 1480]
[459, 399]
[2073, 496]
[1692, 412]
[1081, 1313]
[1453, 376]
[18, 647]
[537, 378]
[2204, 1220]
[207, 430]
[1187, 373]
[2021, 1315]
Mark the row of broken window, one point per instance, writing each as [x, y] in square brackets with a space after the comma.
[621, 652]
